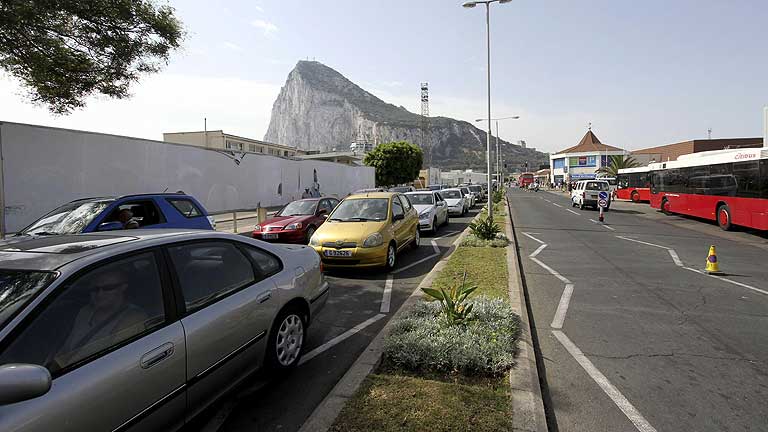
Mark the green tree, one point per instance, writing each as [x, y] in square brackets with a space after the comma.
[617, 162]
[395, 162]
[63, 51]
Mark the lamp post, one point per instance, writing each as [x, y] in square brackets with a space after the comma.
[487, 3]
[498, 154]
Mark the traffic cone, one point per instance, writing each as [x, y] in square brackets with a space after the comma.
[712, 265]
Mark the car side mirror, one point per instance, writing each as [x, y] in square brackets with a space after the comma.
[324, 216]
[322, 211]
[20, 382]
[110, 226]
[398, 217]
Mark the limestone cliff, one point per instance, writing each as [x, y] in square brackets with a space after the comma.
[319, 109]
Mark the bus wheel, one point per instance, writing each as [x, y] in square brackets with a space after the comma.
[635, 197]
[724, 217]
[665, 207]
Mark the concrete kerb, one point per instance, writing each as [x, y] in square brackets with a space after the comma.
[325, 414]
[527, 403]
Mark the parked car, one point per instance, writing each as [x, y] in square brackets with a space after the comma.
[458, 203]
[367, 230]
[432, 209]
[434, 187]
[470, 196]
[478, 191]
[296, 222]
[585, 193]
[142, 330]
[362, 191]
[402, 189]
[164, 210]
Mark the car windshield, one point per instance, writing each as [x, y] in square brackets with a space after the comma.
[451, 194]
[465, 190]
[298, 208]
[70, 218]
[425, 198]
[18, 287]
[363, 209]
[597, 186]
[475, 188]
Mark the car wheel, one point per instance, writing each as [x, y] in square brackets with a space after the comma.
[724, 217]
[389, 262]
[286, 339]
[581, 206]
[435, 226]
[416, 239]
[666, 208]
[635, 197]
[310, 231]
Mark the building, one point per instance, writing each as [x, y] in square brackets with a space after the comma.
[582, 160]
[219, 140]
[348, 158]
[671, 152]
[457, 177]
[543, 176]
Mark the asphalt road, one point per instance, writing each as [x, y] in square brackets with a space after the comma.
[354, 314]
[645, 341]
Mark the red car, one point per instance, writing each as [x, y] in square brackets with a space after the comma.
[296, 222]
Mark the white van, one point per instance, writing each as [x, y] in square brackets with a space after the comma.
[585, 193]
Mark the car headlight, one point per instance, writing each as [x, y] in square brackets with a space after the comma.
[257, 228]
[294, 226]
[426, 215]
[314, 241]
[373, 240]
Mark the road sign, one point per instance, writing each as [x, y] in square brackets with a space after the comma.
[602, 203]
[603, 196]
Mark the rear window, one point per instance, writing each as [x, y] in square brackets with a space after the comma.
[186, 207]
[597, 186]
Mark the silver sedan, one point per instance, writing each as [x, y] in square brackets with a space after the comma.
[143, 330]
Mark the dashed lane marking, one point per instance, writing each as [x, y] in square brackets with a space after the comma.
[387, 295]
[569, 210]
[532, 237]
[537, 251]
[562, 307]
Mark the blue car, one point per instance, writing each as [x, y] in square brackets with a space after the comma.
[164, 210]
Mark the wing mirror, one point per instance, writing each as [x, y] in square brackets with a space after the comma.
[110, 226]
[19, 382]
[398, 217]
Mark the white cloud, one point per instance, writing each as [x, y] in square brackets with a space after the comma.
[232, 46]
[258, 8]
[161, 103]
[266, 27]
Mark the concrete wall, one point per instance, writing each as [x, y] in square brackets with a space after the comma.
[43, 168]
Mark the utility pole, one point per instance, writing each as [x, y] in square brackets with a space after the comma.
[427, 147]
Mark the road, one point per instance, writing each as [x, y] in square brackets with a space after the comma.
[633, 335]
[356, 311]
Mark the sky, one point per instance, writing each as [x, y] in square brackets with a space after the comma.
[643, 73]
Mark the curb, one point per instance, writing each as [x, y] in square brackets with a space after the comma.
[527, 402]
[325, 414]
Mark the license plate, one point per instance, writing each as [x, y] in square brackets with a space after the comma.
[269, 236]
[337, 253]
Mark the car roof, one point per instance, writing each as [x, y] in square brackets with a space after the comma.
[116, 197]
[48, 253]
[449, 189]
[372, 195]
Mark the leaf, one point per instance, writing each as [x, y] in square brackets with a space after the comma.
[433, 293]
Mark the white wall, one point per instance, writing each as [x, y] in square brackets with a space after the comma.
[45, 167]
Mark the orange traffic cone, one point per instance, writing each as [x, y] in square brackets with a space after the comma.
[712, 265]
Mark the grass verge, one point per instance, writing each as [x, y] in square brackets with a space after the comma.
[486, 268]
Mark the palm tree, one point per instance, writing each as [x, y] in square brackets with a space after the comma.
[617, 162]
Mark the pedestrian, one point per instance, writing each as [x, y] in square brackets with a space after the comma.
[306, 194]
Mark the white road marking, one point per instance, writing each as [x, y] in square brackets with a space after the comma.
[675, 257]
[557, 205]
[448, 234]
[728, 280]
[402, 269]
[562, 307]
[338, 339]
[577, 214]
[434, 246]
[551, 270]
[536, 252]
[624, 405]
[532, 237]
[385, 299]
[642, 242]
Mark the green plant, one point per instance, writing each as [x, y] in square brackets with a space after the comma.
[498, 196]
[486, 229]
[617, 162]
[454, 305]
[395, 163]
[498, 242]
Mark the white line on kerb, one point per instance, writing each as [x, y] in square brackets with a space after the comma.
[562, 307]
[532, 237]
[338, 339]
[387, 294]
[624, 405]
[537, 251]
[577, 214]
[551, 270]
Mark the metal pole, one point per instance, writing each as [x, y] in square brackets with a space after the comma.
[2, 187]
[490, 125]
[498, 154]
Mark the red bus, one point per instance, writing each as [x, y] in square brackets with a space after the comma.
[525, 179]
[634, 184]
[728, 186]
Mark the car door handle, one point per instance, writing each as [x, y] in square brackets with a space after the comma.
[157, 355]
[264, 297]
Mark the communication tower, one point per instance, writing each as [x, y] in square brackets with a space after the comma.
[425, 145]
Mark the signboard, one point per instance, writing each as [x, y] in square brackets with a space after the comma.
[602, 199]
[602, 203]
[582, 161]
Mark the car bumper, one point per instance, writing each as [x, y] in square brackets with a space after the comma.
[426, 224]
[455, 210]
[291, 236]
[360, 257]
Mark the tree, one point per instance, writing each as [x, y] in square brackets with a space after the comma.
[617, 162]
[63, 51]
[395, 162]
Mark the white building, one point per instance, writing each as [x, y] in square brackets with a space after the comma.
[582, 160]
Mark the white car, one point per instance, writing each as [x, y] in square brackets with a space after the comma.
[471, 199]
[458, 203]
[432, 209]
[586, 192]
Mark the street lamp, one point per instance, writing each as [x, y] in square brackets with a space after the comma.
[487, 3]
[498, 154]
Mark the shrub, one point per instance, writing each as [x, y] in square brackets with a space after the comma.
[498, 196]
[486, 229]
[453, 303]
[486, 346]
[499, 241]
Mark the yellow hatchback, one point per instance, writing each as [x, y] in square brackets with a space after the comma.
[367, 230]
